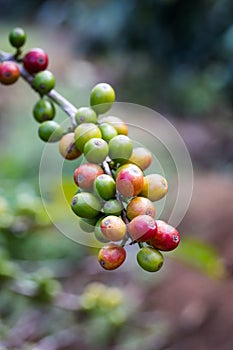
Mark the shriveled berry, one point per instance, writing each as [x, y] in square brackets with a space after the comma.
[44, 82]
[9, 72]
[35, 60]
[67, 147]
[113, 227]
[150, 259]
[86, 205]
[140, 206]
[111, 256]
[155, 187]
[17, 37]
[166, 238]
[102, 98]
[85, 175]
[50, 131]
[142, 228]
[43, 110]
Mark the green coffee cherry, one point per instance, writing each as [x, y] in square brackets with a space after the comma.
[85, 115]
[112, 207]
[108, 131]
[102, 98]
[84, 132]
[99, 234]
[43, 110]
[150, 259]
[95, 150]
[44, 82]
[17, 37]
[50, 131]
[86, 205]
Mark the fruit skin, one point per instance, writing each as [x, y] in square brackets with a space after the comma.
[67, 147]
[141, 157]
[142, 228]
[166, 238]
[35, 60]
[155, 187]
[150, 259]
[113, 227]
[140, 206]
[102, 97]
[44, 82]
[86, 205]
[50, 131]
[120, 148]
[105, 187]
[43, 110]
[112, 207]
[95, 150]
[17, 37]
[85, 115]
[129, 181]
[85, 175]
[108, 131]
[99, 234]
[84, 132]
[120, 126]
[111, 256]
[9, 72]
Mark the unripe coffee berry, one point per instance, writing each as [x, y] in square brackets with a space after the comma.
[36, 60]
[17, 37]
[67, 147]
[43, 110]
[50, 131]
[102, 98]
[9, 72]
[44, 82]
[150, 259]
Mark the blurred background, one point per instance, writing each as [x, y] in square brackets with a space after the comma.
[176, 57]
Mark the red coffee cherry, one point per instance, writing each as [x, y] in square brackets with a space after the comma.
[166, 238]
[9, 72]
[111, 256]
[35, 60]
[142, 228]
[85, 175]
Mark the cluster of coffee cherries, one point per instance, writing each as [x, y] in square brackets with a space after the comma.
[114, 198]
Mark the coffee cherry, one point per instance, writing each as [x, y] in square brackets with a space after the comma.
[35, 60]
[85, 115]
[86, 205]
[43, 110]
[9, 72]
[17, 37]
[85, 175]
[129, 181]
[120, 148]
[141, 157]
[113, 227]
[95, 150]
[84, 132]
[50, 131]
[67, 147]
[105, 187]
[99, 234]
[111, 256]
[166, 238]
[155, 187]
[142, 228]
[102, 98]
[150, 259]
[113, 207]
[108, 131]
[140, 206]
[44, 82]
[120, 126]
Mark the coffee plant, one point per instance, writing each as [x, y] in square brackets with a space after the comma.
[114, 198]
